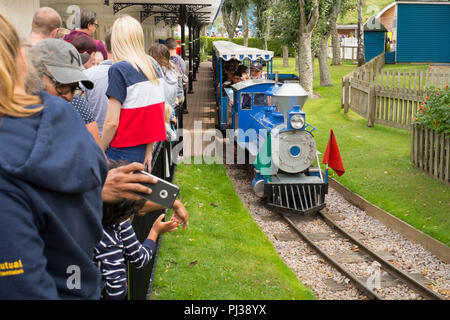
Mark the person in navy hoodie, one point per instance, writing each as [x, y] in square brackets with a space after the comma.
[51, 178]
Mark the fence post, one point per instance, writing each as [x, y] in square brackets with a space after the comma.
[346, 94]
[343, 92]
[371, 105]
[412, 130]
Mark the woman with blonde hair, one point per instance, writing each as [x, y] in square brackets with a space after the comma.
[135, 115]
[51, 178]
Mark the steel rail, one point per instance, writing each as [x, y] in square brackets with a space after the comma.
[371, 294]
[389, 267]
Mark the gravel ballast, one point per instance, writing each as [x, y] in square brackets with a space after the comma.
[325, 281]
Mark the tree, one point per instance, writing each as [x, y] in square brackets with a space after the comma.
[285, 56]
[345, 6]
[328, 12]
[245, 4]
[285, 22]
[231, 15]
[293, 22]
[280, 27]
[309, 15]
[263, 19]
[360, 35]
[335, 47]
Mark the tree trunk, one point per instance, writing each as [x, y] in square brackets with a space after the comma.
[230, 36]
[296, 61]
[285, 56]
[245, 22]
[336, 45]
[307, 25]
[305, 66]
[360, 36]
[230, 20]
[325, 77]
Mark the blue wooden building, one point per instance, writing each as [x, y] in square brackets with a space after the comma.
[420, 32]
[374, 38]
[423, 31]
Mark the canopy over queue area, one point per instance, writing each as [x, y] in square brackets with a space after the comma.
[159, 20]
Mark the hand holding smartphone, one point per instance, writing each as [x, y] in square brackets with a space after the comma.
[163, 193]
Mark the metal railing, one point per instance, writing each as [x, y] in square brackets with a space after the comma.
[140, 281]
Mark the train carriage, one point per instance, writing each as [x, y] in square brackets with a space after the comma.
[225, 51]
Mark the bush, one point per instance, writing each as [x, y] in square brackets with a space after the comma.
[434, 113]
[275, 45]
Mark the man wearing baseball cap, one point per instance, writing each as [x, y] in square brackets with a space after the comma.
[256, 70]
[60, 67]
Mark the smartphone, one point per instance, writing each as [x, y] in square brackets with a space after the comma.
[163, 193]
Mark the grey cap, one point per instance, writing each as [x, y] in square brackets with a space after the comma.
[63, 61]
[256, 65]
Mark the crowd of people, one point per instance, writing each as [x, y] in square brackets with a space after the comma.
[78, 118]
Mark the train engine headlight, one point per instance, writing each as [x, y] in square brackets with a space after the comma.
[297, 121]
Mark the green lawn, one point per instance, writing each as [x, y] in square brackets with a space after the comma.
[377, 160]
[394, 69]
[222, 254]
[402, 66]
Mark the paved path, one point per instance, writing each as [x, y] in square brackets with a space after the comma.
[202, 111]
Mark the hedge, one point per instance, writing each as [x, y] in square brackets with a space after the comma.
[274, 45]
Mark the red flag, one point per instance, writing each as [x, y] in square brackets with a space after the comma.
[332, 156]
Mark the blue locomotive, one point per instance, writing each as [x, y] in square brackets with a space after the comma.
[271, 126]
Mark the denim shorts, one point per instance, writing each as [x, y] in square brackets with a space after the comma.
[132, 154]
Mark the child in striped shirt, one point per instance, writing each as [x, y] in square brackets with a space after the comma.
[119, 243]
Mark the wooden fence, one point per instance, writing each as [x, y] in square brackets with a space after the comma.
[388, 97]
[348, 53]
[430, 152]
[358, 93]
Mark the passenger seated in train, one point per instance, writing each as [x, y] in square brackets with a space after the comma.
[229, 70]
[229, 67]
[256, 71]
[243, 70]
[237, 77]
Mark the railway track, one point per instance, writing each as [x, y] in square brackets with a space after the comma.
[346, 277]
[364, 287]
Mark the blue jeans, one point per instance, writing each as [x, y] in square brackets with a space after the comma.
[132, 154]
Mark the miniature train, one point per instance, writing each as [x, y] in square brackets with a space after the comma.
[269, 123]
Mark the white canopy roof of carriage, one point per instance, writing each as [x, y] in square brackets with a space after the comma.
[229, 50]
[212, 9]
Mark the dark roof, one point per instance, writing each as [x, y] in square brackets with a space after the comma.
[374, 24]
